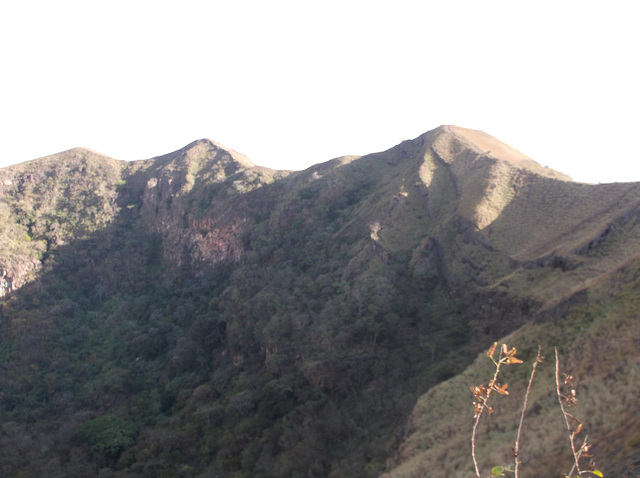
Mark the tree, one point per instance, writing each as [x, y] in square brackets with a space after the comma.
[107, 435]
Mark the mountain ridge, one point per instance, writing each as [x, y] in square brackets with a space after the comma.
[448, 158]
[227, 319]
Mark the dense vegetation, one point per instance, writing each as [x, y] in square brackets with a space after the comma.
[195, 315]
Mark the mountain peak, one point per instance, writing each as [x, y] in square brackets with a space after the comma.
[488, 146]
[207, 147]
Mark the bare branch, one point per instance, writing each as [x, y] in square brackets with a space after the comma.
[516, 447]
[576, 466]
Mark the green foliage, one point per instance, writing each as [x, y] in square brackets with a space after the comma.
[107, 435]
[241, 368]
[499, 470]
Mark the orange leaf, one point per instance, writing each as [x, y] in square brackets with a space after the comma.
[503, 390]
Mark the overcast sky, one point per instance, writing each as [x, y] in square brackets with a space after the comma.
[293, 83]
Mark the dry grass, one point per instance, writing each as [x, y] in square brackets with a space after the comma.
[490, 146]
[549, 237]
[599, 345]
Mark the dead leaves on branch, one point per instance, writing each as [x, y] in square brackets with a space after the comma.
[481, 393]
[507, 356]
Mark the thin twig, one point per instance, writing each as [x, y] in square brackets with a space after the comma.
[475, 424]
[576, 466]
[479, 414]
[579, 455]
[516, 447]
[473, 442]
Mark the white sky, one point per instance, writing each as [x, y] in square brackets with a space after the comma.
[293, 83]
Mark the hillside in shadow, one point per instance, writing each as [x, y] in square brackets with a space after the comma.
[198, 315]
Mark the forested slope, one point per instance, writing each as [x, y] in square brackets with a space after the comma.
[197, 315]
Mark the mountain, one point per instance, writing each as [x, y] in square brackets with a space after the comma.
[197, 315]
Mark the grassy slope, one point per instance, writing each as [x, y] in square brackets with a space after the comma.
[548, 237]
[573, 249]
[599, 345]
